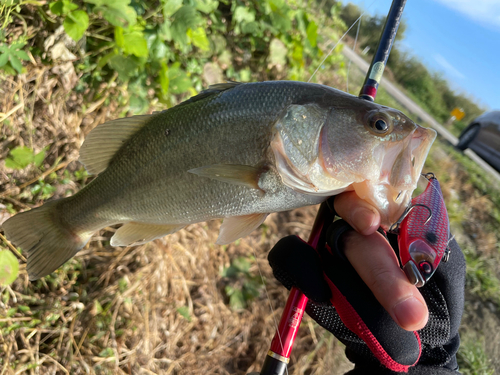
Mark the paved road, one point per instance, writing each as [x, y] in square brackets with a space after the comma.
[412, 107]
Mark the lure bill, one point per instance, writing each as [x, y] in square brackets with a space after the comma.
[424, 234]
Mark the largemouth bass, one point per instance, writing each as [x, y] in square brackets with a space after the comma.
[235, 151]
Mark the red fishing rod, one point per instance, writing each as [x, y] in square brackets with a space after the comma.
[279, 353]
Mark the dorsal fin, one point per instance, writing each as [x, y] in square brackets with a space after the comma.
[102, 143]
[212, 90]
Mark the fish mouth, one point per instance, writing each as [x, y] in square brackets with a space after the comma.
[406, 171]
[401, 168]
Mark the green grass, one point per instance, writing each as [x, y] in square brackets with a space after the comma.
[472, 358]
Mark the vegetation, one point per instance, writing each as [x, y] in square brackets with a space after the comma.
[179, 305]
[156, 50]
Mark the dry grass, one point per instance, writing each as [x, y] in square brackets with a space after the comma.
[116, 310]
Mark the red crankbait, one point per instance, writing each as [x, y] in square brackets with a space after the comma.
[424, 233]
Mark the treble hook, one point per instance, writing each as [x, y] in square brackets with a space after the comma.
[395, 227]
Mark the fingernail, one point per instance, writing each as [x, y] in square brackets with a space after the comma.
[362, 219]
[411, 314]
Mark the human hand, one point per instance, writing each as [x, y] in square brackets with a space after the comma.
[327, 277]
[376, 263]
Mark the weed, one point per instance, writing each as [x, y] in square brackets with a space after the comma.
[472, 358]
[244, 286]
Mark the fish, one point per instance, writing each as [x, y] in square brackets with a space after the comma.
[237, 152]
[424, 234]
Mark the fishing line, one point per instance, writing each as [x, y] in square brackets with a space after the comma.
[269, 300]
[350, 61]
[341, 38]
[335, 46]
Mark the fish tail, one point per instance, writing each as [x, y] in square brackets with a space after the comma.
[42, 235]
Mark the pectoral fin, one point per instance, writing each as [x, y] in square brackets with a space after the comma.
[238, 226]
[139, 233]
[244, 175]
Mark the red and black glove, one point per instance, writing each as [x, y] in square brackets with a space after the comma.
[341, 302]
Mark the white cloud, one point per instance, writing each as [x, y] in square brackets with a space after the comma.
[450, 69]
[485, 12]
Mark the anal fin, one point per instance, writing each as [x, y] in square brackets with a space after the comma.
[138, 233]
[238, 226]
[244, 175]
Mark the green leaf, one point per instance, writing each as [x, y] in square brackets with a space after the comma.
[243, 14]
[13, 53]
[242, 263]
[16, 64]
[207, 6]
[117, 12]
[75, 24]
[230, 271]
[236, 298]
[4, 59]
[250, 28]
[158, 50]
[280, 15]
[21, 54]
[298, 53]
[120, 41]
[199, 38]
[184, 312]
[132, 41]
[40, 157]
[56, 8]
[179, 82]
[185, 18]
[137, 104]
[170, 7]
[125, 66]
[9, 268]
[164, 79]
[20, 157]
[245, 75]
[106, 353]
[62, 7]
[165, 31]
[68, 6]
[135, 44]
[97, 307]
[312, 33]
[104, 60]
[281, 22]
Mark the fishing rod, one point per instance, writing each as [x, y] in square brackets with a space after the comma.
[278, 356]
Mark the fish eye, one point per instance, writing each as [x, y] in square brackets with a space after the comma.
[380, 124]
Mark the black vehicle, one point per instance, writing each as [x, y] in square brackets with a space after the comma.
[483, 137]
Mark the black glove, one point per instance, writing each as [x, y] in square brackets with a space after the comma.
[341, 303]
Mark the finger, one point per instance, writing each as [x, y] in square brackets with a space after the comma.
[361, 215]
[376, 263]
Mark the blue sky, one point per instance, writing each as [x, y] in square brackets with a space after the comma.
[459, 39]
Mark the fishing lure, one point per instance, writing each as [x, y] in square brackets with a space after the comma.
[424, 233]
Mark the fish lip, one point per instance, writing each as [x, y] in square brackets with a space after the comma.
[419, 141]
